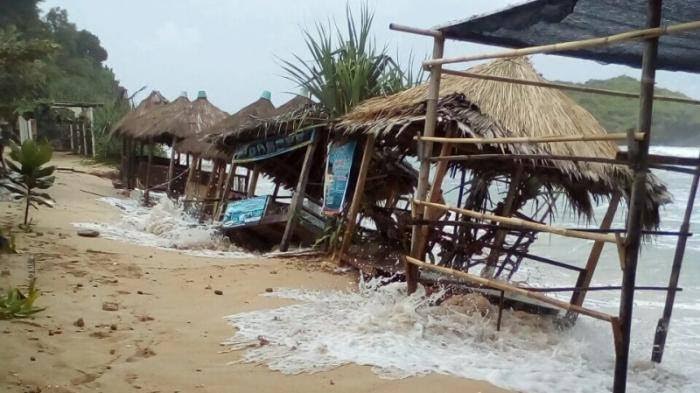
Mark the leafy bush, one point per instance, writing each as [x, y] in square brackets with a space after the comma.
[28, 173]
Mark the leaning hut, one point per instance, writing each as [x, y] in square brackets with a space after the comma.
[172, 123]
[533, 188]
[128, 129]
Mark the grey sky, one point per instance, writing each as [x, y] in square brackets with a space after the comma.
[230, 47]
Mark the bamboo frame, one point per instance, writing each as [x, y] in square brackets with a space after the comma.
[171, 167]
[519, 223]
[147, 186]
[357, 197]
[632, 35]
[534, 139]
[500, 285]
[562, 86]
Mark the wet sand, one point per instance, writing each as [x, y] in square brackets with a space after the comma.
[165, 333]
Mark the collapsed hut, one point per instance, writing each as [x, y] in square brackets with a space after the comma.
[480, 122]
[292, 146]
[128, 128]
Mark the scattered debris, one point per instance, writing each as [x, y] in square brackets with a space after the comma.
[218, 292]
[268, 290]
[110, 306]
[79, 323]
[263, 341]
[113, 327]
[88, 233]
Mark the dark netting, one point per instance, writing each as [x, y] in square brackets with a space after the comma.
[542, 22]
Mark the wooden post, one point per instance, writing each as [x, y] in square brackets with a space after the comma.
[85, 140]
[147, 186]
[585, 276]
[434, 195]
[171, 167]
[359, 192]
[190, 175]
[124, 162]
[93, 145]
[226, 188]
[72, 137]
[664, 322]
[253, 181]
[298, 197]
[424, 152]
[638, 154]
[495, 253]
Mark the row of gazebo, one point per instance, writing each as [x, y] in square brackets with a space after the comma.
[295, 145]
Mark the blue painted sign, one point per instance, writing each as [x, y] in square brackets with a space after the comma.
[338, 166]
[265, 148]
[245, 211]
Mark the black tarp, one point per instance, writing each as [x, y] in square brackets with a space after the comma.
[542, 22]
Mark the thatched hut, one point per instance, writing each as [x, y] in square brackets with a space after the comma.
[479, 108]
[128, 129]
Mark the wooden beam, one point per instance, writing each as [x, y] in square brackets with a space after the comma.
[253, 181]
[147, 191]
[351, 218]
[223, 196]
[519, 223]
[298, 198]
[638, 151]
[665, 320]
[416, 30]
[171, 167]
[192, 169]
[533, 139]
[633, 35]
[585, 276]
[562, 86]
[500, 285]
[424, 152]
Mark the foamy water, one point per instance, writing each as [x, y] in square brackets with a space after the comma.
[403, 336]
[164, 226]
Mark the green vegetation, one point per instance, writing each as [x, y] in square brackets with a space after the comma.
[47, 59]
[346, 69]
[28, 174]
[674, 123]
[15, 304]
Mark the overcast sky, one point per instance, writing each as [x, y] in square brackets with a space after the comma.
[230, 48]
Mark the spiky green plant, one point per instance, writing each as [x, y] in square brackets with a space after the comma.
[28, 173]
[345, 69]
[15, 304]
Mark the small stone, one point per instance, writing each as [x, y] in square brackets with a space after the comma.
[268, 290]
[88, 233]
[110, 306]
[199, 370]
[79, 323]
[32, 358]
[112, 327]
[79, 285]
[139, 292]
[207, 287]
[332, 383]
[273, 271]
[5, 273]
[218, 292]
[112, 351]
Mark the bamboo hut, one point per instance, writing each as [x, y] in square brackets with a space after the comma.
[128, 129]
[532, 186]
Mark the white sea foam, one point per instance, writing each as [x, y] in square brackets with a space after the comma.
[400, 336]
[164, 226]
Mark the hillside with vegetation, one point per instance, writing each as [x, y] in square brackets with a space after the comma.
[674, 123]
[46, 58]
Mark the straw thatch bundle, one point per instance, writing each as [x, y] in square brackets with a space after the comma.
[229, 127]
[180, 119]
[471, 107]
[131, 124]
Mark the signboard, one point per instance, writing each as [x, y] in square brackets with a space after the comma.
[262, 149]
[335, 186]
[245, 211]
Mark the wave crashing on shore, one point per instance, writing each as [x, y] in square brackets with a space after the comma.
[401, 336]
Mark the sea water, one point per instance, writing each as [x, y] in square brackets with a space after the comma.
[400, 336]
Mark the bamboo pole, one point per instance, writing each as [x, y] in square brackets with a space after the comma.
[519, 223]
[492, 259]
[534, 139]
[562, 86]
[367, 152]
[585, 276]
[424, 152]
[223, 196]
[147, 186]
[633, 35]
[665, 320]
[85, 143]
[638, 151]
[298, 198]
[500, 285]
[415, 30]
[192, 165]
[94, 144]
[171, 167]
[72, 137]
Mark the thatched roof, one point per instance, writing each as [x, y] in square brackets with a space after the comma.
[473, 107]
[201, 146]
[130, 124]
[180, 119]
[231, 125]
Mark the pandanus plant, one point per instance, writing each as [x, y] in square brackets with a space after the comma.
[28, 174]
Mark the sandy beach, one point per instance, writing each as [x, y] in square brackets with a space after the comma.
[167, 326]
